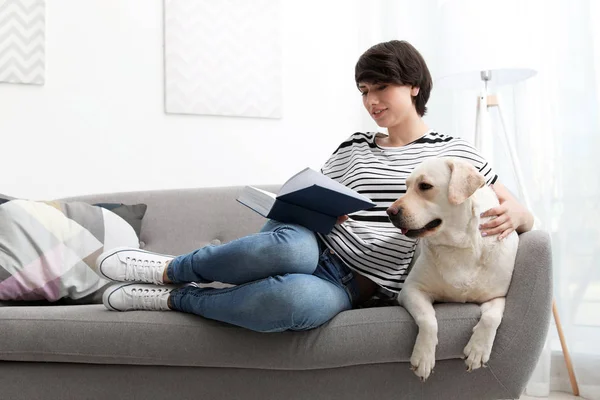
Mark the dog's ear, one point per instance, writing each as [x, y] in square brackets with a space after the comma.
[464, 181]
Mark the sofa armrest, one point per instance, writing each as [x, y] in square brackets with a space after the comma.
[522, 333]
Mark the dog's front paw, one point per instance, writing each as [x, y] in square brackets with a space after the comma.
[422, 360]
[479, 348]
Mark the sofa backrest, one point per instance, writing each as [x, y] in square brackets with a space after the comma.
[181, 220]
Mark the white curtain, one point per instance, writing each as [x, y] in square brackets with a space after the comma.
[554, 119]
[557, 128]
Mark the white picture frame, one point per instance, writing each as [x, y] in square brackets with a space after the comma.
[23, 41]
[223, 58]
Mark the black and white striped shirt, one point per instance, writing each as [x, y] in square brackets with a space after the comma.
[367, 242]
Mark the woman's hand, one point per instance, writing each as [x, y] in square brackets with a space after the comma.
[341, 219]
[510, 215]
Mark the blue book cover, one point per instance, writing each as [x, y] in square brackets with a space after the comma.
[293, 214]
[308, 198]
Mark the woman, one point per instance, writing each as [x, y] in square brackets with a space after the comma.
[289, 278]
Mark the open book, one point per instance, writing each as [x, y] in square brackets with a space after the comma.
[308, 198]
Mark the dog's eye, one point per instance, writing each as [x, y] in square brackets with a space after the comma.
[424, 186]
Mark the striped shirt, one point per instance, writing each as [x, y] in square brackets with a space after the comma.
[367, 242]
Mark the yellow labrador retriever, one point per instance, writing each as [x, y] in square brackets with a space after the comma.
[442, 204]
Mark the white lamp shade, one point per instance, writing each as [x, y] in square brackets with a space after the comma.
[485, 35]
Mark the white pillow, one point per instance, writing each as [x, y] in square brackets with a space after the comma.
[48, 249]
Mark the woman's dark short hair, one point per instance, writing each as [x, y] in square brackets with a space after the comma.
[398, 62]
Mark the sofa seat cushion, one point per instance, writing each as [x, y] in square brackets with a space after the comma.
[91, 334]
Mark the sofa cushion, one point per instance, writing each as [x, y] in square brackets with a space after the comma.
[48, 249]
[92, 334]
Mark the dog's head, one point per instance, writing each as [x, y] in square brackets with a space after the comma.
[435, 192]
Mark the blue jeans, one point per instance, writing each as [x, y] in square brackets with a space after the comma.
[286, 280]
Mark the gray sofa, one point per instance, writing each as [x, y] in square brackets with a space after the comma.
[86, 352]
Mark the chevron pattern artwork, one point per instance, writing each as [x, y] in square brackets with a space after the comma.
[223, 57]
[22, 41]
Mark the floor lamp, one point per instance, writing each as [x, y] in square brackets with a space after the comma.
[484, 45]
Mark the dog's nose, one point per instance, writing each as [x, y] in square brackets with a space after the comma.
[393, 211]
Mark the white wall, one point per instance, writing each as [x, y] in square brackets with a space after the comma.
[98, 125]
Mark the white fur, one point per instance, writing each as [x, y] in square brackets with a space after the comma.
[456, 263]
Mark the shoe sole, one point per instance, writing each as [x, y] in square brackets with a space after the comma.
[102, 257]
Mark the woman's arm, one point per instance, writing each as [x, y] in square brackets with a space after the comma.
[510, 215]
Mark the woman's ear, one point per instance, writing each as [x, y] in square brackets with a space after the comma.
[414, 91]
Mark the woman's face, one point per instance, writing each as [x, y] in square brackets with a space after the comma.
[389, 104]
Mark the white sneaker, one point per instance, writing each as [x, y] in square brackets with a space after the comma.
[124, 264]
[137, 296]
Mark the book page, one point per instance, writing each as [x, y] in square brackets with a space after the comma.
[257, 199]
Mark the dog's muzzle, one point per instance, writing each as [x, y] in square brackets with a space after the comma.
[395, 216]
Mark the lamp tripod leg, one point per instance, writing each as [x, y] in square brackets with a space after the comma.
[565, 350]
